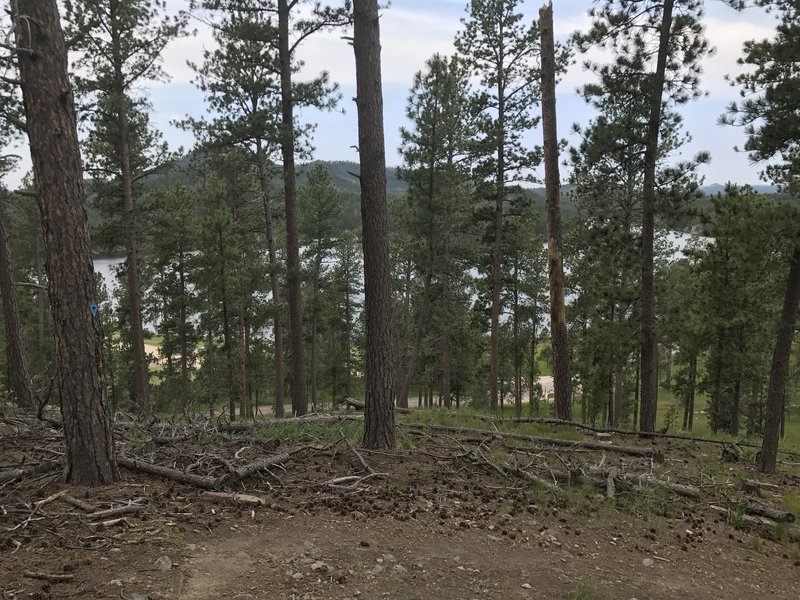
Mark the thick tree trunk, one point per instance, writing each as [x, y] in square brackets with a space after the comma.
[649, 354]
[299, 400]
[58, 174]
[780, 367]
[277, 324]
[19, 376]
[378, 412]
[555, 257]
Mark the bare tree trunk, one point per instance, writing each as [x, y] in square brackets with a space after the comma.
[58, 174]
[649, 354]
[185, 398]
[141, 372]
[780, 367]
[299, 400]
[20, 379]
[277, 325]
[226, 330]
[555, 258]
[378, 411]
[517, 347]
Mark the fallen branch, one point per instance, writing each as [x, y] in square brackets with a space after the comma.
[233, 498]
[358, 405]
[128, 509]
[754, 486]
[51, 577]
[84, 506]
[208, 483]
[255, 467]
[628, 450]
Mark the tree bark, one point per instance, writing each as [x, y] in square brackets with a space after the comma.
[299, 400]
[58, 174]
[20, 379]
[277, 325]
[780, 366]
[649, 354]
[378, 413]
[226, 329]
[555, 257]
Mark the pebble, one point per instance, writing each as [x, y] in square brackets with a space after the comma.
[648, 562]
[526, 586]
[164, 563]
[399, 573]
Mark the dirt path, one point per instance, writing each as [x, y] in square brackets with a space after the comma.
[327, 557]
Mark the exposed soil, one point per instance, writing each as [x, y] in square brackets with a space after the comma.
[433, 521]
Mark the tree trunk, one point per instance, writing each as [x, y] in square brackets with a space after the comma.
[277, 325]
[445, 336]
[141, 372]
[299, 400]
[314, 328]
[226, 330]
[517, 347]
[19, 376]
[649, 354]
[58, 174]
[736, 408]
[378, 411]
[555, 258]
[533, 404]
[185, 351]
[780, 366]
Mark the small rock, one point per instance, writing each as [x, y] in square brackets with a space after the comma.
[363, 544]
[115, 582]
[526, 586]
[319, 566]
[164, 563]
[389, 558]
[399, 573]
[192, 547]
[306, 561]
[648, 562]
[312, 551]
[297, 576]
[376, 570]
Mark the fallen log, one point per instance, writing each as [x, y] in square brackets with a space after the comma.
[755, 486]
[263, 423]
[49, 577]
[358, 405]
[41, 468]
[655, 455]
[255, 467]
[764, 527]
[753, 507]
[208, 483]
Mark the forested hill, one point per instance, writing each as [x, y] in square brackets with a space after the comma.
[347, 184]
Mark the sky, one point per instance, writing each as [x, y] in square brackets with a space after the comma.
[413, 30]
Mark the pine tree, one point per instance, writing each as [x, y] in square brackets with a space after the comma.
[120, 44]
[49, 106]
[658, 48]
[501, 50]
[320, 207]
[433, 151]
[769, 114]
[378, 412]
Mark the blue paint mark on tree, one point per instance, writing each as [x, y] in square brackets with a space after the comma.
[93, 308]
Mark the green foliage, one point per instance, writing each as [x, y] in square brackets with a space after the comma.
[583, 591]
[770, 91]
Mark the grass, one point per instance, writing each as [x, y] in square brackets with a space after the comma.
[583, 591]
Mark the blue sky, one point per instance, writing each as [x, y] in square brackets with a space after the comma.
[412, 30]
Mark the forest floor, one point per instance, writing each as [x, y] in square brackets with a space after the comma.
[474, 510]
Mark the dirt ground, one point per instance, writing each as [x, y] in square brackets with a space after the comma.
[431, 520]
